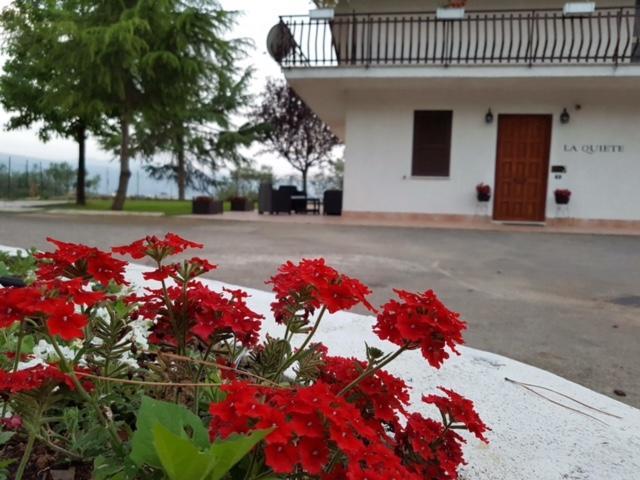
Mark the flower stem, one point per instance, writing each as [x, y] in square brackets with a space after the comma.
[371, 369]
[196, 391]
[115, 440]
[16, 362]
[304, 345]
[25, 456]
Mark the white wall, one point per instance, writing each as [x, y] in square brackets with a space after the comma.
[379, 138]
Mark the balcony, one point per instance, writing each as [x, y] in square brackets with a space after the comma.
[609, 36]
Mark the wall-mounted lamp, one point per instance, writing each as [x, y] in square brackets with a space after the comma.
[489, 117]
[565, 117]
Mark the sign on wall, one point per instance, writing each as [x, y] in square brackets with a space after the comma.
[592, 149]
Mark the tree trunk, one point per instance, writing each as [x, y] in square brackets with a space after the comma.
[81, 138]
[125, 170]
[181, 173]
[635, 58]
[305, 172]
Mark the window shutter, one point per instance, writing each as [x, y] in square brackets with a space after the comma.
[432, 143]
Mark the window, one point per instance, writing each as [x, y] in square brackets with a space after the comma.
[432, 143]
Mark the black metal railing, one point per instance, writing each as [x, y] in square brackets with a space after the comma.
[482, 37]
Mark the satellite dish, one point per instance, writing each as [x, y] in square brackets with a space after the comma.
[280, 42]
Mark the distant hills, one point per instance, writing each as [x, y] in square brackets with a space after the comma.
[139, 185]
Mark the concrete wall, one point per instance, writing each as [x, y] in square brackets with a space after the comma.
[379, 139]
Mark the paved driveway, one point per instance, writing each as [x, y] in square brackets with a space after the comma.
[566, 303]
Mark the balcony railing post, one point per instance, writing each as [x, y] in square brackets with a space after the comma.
[616, 57]
[354, 37]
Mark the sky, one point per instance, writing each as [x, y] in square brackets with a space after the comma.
[257, 17]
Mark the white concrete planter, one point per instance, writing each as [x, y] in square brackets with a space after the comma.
[579, 8]
[322, 14]
[450, 13]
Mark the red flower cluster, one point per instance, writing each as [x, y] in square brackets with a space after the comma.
[380, 397]
[156, 248]
[180, 272]
[72, 260]
[313, 284]
[421, 321]
[53, 302]
[33, 378]
[431, 450]
[311, 425]
[197, 311]
[459, 410]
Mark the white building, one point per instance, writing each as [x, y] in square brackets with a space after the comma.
[432, 102]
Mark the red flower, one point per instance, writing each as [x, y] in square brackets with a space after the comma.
[312, 284]
[199, 312]
[63, 321]
[421, 321]
[32, 379]
[162, 273]
[281, 457]
[156, 248]
[459, 410]
[314, 454]
[73, 260]
[14, 304]
[380, 396]
[431, 450]
[181, 273]
[310, 424]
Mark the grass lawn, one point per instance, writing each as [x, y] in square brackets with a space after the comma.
[167, 207]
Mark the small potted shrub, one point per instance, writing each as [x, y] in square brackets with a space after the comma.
[241, 204]
[483, 192]
[562, 196]
[206, 206]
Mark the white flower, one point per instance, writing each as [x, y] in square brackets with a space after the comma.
[45, 351]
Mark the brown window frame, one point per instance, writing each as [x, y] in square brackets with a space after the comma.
[431, 156]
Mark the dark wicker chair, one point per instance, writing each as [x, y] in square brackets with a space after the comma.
[299, 205]
[273, 201]
[332, 202]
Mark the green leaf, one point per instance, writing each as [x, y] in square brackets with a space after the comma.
[231, 451]
[5, 437]
[180, 458]
[175, 418]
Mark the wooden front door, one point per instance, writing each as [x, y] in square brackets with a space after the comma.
[522, 166]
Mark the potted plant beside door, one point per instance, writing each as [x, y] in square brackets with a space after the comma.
[483, 192]
[562, 196]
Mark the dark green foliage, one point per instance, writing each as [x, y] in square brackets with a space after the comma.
[144, 75]
[46, 79]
